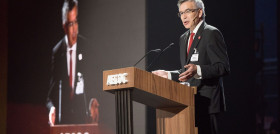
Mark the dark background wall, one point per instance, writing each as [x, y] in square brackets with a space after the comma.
[236, 22]
[267, 73]
[278, 54]
[34, 28]
[3, 64]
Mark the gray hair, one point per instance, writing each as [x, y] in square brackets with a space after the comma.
[198, 3]
[68, 5]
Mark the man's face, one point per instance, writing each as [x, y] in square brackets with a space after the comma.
[190, 14]
[71, 26]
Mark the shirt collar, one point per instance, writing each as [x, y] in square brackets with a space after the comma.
[197, 27]
[74, 47]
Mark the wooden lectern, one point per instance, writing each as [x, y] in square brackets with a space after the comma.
[174, 102]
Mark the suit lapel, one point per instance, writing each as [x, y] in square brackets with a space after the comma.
[183, 48]
[196, 40]
[63, 56]
[62, 64]
[79, 61]
[77, 65]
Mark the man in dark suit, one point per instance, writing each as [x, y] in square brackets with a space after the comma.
[204, 61]
[66, 100]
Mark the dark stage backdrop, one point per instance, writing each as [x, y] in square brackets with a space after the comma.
[3, 64]
[236, 22]
[115, 31]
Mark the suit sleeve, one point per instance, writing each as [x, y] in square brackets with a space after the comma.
[217, 54]
[50, 96]
[175, 75]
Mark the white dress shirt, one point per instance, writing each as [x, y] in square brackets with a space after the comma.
[73, 55]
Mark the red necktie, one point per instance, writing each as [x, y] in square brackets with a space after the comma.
[70, 75]
[190, 42]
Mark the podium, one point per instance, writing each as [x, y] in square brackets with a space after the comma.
[75, 129]
[174, 102]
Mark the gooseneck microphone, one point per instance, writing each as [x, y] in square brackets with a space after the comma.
[159, 55]
[154, 50]
[195, 18]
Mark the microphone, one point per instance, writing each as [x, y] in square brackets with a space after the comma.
[159, 55]
[195, 17]
[59, 102]
[154, 50]
[81, 36]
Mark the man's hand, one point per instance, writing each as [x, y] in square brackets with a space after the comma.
[190, 72]
[52, 116]
[161, 73]
[94, 110]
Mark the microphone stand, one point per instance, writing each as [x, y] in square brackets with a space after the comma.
[148, 67]
[154, 50]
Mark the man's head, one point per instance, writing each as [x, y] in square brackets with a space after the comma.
[70, 20]
[191, 12]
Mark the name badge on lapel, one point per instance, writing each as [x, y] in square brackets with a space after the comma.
[80, 84]
[195, 55]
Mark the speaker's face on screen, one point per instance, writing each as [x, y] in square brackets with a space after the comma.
[71, 27]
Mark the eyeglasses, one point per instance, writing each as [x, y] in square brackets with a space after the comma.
[71, 23]
[187, 11]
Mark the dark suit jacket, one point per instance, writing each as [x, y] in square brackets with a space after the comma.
[73, 111]
[214, 63]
